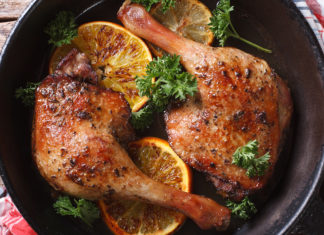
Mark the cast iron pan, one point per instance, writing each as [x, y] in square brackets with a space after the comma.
[296, 56]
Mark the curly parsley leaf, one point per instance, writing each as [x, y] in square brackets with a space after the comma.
[27, 94]
[243, 210]
[245, 157]
[62, 30]
[143, 118]
[171, 83]
[166, 4]
[184, 84]
[222, 27]
[221, 20]
[83, 209]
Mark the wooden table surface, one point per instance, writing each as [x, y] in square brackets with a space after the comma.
[10, 10]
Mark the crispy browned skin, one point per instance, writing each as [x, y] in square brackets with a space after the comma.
[78, 131]
[77, 126]
[239, 99]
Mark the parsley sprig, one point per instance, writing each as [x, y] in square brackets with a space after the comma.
[86, 210]
[245, 157]
[244, 209]
[166, 4]
[171, 83]
[62, 30]
[222, 27]
[27, 94]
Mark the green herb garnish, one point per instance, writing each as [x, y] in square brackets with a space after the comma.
[86, 210]
[222, 27]
[171, 83]
[243, 210]
[27, 94]
[245, 157]
[143, 118]
[166, 4]
[62, 30]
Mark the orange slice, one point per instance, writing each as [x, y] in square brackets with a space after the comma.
[157, 160]
[189, 19]
[116, 55]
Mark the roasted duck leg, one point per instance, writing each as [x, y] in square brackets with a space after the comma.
[78, 137]
[240, 99]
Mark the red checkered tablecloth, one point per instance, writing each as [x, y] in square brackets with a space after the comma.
[313, 10]
[11, 221]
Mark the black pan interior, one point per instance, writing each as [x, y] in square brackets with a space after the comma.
[296, 57]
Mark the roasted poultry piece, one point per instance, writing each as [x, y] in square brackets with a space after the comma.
[240, 99]
[79, 133]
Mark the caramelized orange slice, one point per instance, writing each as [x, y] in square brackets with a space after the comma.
[157, 160]
[116, 55]
[189, 19]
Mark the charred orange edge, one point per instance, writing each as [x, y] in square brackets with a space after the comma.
[60, 52]
[164, 145]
